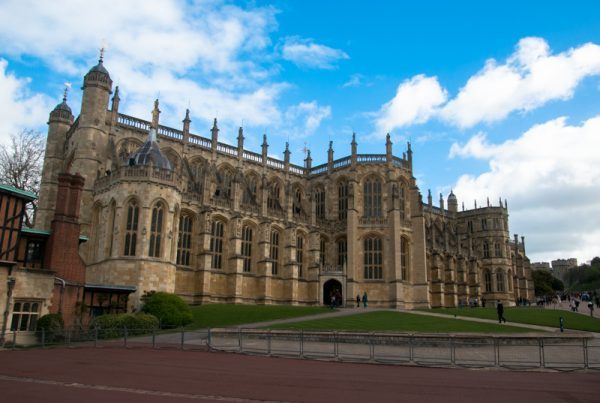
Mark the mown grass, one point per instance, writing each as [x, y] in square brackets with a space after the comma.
[400, 322]
[223, 315]
[531, 315]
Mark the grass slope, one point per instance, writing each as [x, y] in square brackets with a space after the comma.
[400, 322]
[222, 315]
[530, 315]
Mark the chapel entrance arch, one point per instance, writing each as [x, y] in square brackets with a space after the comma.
[330, 288]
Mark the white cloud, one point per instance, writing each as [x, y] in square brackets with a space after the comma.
[304, 119]
[20, 109]
[415, 102]
[355, 80]
[551, 179]
[215, 58]
[305, 53]
[528, 79]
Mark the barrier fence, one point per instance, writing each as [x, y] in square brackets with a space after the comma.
[560, 352]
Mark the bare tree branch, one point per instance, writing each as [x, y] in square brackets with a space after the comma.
[21, 163]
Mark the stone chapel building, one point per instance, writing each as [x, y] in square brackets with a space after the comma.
[165, 209]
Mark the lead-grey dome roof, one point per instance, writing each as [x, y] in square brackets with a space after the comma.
[150, 154]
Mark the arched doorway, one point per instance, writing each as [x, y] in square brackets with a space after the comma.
[330, 288]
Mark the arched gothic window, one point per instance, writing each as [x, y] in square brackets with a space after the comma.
[300, 254]
[112, 213]
[224, 184]
[373, 258]
[343, 200]
[498, 249]
[184, 240]
[500, 281]
[372, 198]
[487, 276]
[323, 252]
[342, 252]
[486, 249]
[156, 229]
[274, 252]
[131, 227]
[216, 244]
[247, 248]
[273, 197]
[249, 195]
[404, 258]
[402, 202]
[320, 203]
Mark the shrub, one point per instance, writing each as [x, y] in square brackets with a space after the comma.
[51, 327]
[114, 325]
[170, 309]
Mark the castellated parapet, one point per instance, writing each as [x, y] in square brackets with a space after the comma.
[165, 209]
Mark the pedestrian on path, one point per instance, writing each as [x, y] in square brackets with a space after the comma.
[358, 300]
[365, 299]
[500, 311]
[591, 306]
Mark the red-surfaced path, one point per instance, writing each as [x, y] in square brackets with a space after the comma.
[143, 375]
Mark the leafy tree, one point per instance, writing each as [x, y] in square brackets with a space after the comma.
[21, 162]
[545, 283]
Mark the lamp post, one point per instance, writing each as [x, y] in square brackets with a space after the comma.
[10, 283]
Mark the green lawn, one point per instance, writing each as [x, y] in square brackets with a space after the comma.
[530, 315]
[400, 322]
[222, 315]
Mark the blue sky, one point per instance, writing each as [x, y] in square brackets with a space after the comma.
[498, 100]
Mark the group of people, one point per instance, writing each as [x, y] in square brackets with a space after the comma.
[335, 299]
[365, 300]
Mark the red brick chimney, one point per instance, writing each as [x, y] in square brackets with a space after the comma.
[62, 248]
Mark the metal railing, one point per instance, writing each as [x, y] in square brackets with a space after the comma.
[558, 352]
[518, 352]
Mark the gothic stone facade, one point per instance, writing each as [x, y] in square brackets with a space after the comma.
[218, 223]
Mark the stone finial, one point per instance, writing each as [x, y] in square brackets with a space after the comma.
[240, 138]
[286, 153]
[187, 116]
[155, 114]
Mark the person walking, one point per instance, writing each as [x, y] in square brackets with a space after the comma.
[365, 299]
[500, 311]
[591, 306]
[358, 300]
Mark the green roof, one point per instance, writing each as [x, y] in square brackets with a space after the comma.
[34, 231]
[18, 192]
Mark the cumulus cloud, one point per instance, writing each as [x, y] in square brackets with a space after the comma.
[20, 109]
[528, 79]
[415, 102]
[307, 54]
[209, 56]
[551, 179]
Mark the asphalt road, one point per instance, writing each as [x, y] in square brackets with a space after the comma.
[145, 375]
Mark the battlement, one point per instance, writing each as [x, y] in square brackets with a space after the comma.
[194, 140]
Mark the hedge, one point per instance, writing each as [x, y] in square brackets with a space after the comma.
[114, 325]
[50, 327]
[170, 309]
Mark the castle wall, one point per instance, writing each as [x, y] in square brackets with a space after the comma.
[402, 252]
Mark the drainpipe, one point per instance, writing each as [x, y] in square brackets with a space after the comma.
[10, 282]
[62, 293]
